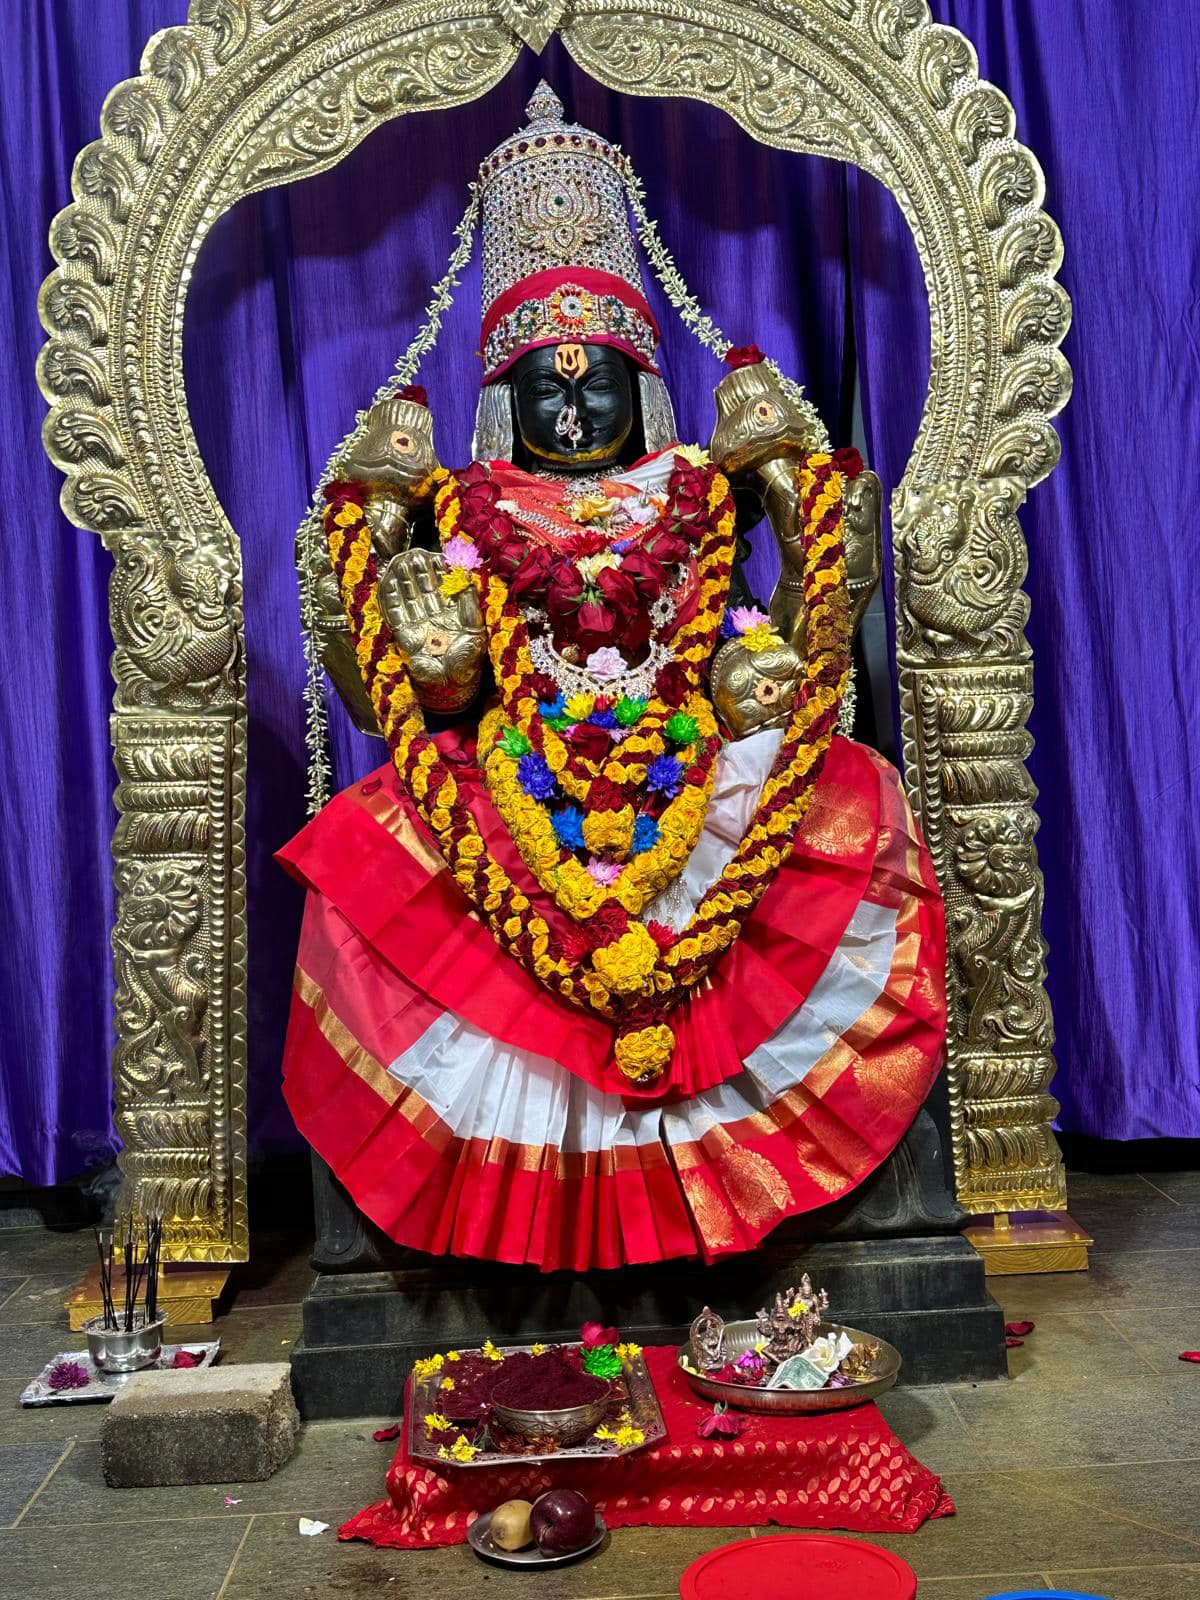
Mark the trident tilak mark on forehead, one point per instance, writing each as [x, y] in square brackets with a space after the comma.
[570, 361]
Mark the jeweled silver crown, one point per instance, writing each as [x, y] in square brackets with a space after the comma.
[553, 195]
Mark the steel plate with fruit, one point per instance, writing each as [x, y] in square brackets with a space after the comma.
[559, 1526]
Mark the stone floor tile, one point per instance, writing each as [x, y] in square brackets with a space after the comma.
[278, 1272]
[927, 1423]
[335, 1462]
[1130, 1583]
[23, 1470]
[641, 1562]
[1072, 1423]
[1128, 1189]
[44, 1424]
[1181, 1186]
[1160, 1336]
[167, 1562]
[1150, 1501]
[1145, 1278]
[252, 1333]
[41, 1297]
[1075, 1347]
[46, 1250]
[25, 1349]
[1006, 1522]
[9, 1287]
[981, 1587]
[1165, 1227]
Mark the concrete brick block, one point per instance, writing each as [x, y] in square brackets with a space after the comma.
[235, 1424]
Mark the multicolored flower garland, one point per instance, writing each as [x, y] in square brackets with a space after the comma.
[622, 969]
[641, 785]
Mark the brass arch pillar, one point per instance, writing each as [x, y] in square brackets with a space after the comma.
[253, 93]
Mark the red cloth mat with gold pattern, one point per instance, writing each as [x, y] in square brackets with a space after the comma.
[845, 1469]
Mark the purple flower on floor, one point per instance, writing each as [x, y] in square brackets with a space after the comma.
[665, 773]
[535, 776]
[68, 1375]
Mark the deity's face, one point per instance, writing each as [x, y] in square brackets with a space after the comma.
[574, 405]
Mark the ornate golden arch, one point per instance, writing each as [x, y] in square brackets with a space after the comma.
[252, 93]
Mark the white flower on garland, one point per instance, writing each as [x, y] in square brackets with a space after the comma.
[590, 567]
[605, 664]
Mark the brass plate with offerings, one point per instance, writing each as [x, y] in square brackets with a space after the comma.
[787, 1361]
[479, 1407]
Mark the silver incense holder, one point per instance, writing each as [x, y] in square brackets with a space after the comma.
[114, 1350]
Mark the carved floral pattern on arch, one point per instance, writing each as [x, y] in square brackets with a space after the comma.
[896, 91]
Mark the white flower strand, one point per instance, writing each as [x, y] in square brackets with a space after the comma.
[689, 309]
[316, 734]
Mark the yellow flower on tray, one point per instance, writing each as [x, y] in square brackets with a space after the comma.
[629, 1352]
[447, 1383]
[462, 1450]
[624, 1437]
[537, 1349]
[436, 1423]
[427, 1367]
[453, 1355]
[490, 1351]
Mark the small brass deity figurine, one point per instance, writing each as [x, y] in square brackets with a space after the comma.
[626, 954]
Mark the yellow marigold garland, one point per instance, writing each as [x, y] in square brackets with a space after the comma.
[625, 979]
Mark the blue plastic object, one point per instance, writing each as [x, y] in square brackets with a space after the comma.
[1044, 1594]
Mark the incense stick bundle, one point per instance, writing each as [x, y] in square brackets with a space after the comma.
[141, 1267]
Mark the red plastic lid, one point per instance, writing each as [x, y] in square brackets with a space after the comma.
[793, 1566]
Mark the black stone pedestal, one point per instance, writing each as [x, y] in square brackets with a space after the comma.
[363, 1330]
[890, 1257]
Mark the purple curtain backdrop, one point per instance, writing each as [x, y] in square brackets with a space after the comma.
[303, 297]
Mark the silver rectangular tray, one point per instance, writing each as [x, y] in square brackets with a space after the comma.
[104, 1385]
[641, 1401]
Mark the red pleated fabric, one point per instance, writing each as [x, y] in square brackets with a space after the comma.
[387, 951]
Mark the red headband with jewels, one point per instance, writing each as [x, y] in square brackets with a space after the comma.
[567, 305]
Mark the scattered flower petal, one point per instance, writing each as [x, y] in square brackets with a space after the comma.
[1190, 1355]
[382, 1435]
[230, 1501]
[1013, 1344]
[1018, 1330]
[310, 1528]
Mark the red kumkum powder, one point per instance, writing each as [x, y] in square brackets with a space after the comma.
[550, 1382]
[474, 1378]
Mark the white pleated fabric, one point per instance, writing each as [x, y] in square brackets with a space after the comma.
[484, 1090]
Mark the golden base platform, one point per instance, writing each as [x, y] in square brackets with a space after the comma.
[188, 1294]
[1029, 1241]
